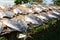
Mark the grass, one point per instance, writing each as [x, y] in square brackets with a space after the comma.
[49, 31]
[3, 38]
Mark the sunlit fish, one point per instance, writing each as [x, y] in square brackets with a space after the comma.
[28, 10]
[16, 24]
[6, 6]
[43, 7]
[33, 20]
[36, 8]
[53, 15]
[55, 8]
[20, 11]
[26, 5]
[6, 14]
[56, 12]
[44, 17]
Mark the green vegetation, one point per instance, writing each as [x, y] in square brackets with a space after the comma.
[50, 33]
[3, 38]
[22, 1]
[27, 1]
[44, 26]
[57, 2]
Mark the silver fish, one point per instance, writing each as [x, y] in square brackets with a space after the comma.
[20, 11]
[8, 14]
[6, 6]
[33, 19]
[53, 15]
[44, 17]
[16, 24]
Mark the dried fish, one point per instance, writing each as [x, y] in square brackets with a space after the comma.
[57, 13]
[26, 5]
[38, 10]
[16, 24]
[53, 15]
[20, 11]
[33, 20]
[7, 14]
[44, 17]
[6, 7]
